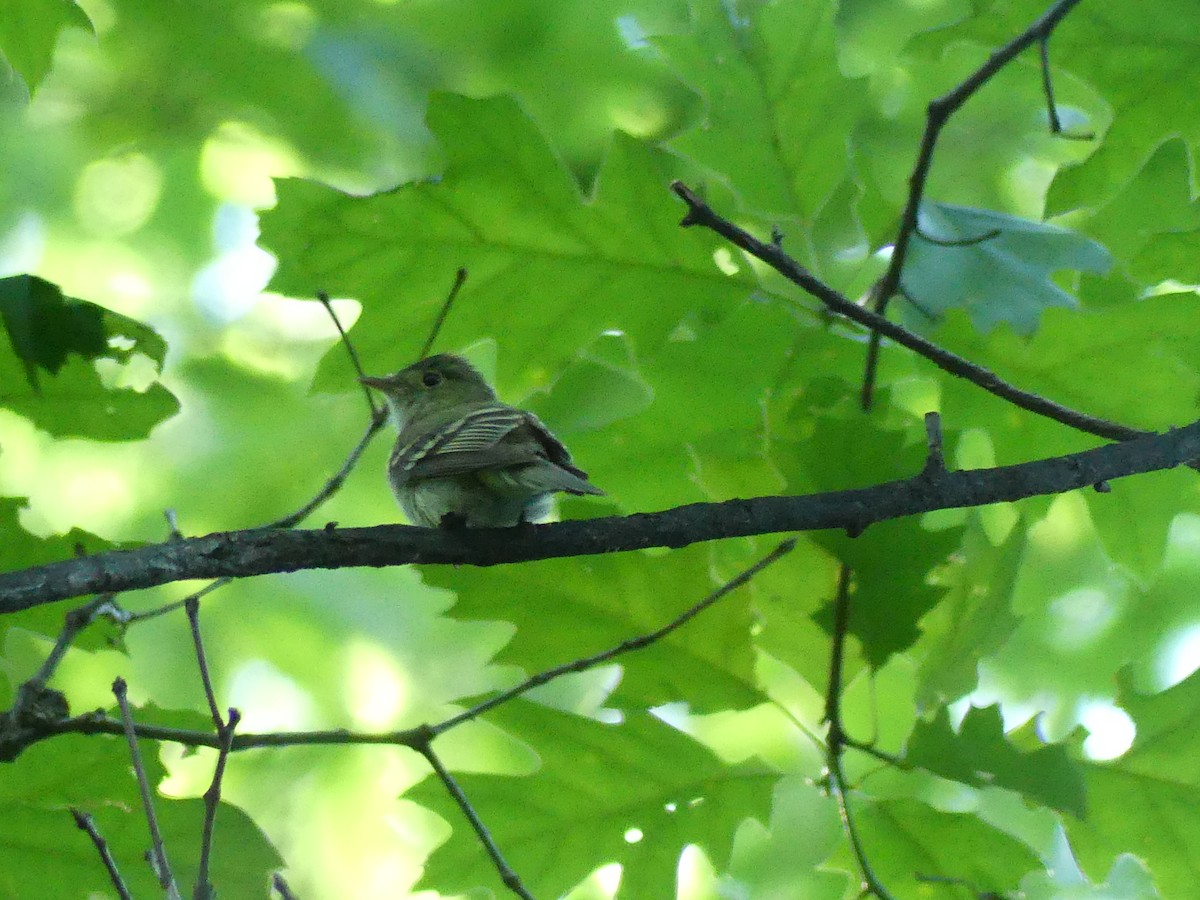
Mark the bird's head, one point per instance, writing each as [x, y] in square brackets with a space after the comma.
[434, 385]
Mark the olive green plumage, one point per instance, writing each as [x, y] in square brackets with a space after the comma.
[463, 457]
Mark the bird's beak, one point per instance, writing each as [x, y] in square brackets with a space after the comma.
[375, 381]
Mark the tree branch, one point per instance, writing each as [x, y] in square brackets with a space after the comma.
[700, 213]
[627, 646]
[510, 878]
[937, 114]
[85, 823]
[837, 740]
[266, 551]
[158, 853]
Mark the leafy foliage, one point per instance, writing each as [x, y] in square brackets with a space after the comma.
[64, 337]
[532, 142]
[29, 30]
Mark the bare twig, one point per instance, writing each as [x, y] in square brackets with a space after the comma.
[1048, 90]
[177, 604]
[172, 517]
[507, 875]
[73, 623]
[335, 482]
[938, 113]
[350, 351]
[225, 730]
[192, 605]
[212, 799]
[891, 759]
[331, 486]
[280, 885]
[162, 870]
[98, 723]
[699, 213]
[837, 740]
[637, 643]
[459, 277]
[85, 823]
[935, 462]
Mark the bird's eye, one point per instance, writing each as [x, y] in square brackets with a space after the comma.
[431, 378]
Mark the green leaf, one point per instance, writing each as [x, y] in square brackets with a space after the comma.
[995, 277]
[569, 608]
[825, 443]
[1127, 880]
[43, 854]
[1129, 73]
[889, 588]
[19, 549]
[775, 100]
[1133, 520]
[974, 619]
[67, 338]
[597, 783]
[700, 445]
[904, 838]
[978, 754]
[29, 31]
[43, 327]
[784, 859]
[1148, 801]
[1145, 354]
[510, 212]
[1145, 223]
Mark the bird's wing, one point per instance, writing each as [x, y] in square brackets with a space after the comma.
[472, 442]
[494, 438]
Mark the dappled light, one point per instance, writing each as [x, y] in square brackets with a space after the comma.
[872, 569]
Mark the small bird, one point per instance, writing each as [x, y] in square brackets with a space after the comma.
[463, 458]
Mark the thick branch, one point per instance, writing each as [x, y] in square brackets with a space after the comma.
[265, 551]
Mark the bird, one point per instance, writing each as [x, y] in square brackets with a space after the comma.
[465, 459]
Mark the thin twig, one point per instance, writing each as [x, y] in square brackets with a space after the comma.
[74, 622]
[883, 756]
[335, 482]
[192, 605]
[212, 799]
[350, 351]
[1051, 106]
[459, 278]
[1048, 85]
[507, 875]
[85, 823]
[935, 462]
[172, 517]
[162, 870]
[700, 213]
[837, 740]
[938, 113]
[331, 486]
[177, 604]
[280, 885]
[225, 730]
[637, 643]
